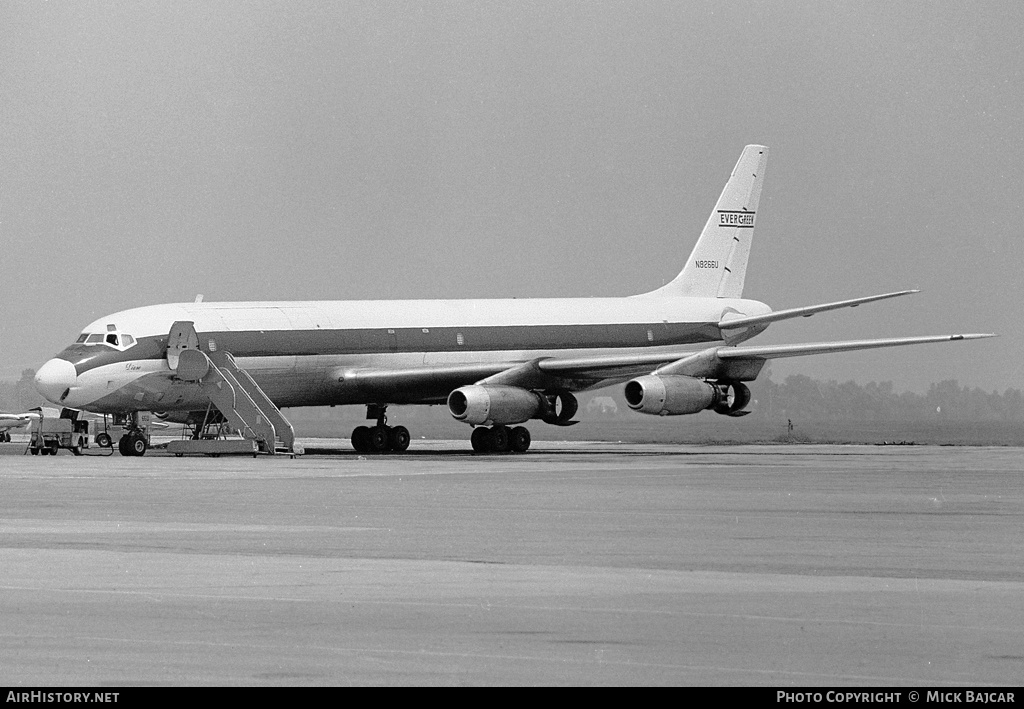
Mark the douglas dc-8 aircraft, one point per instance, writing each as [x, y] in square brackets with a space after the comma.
[496, 363]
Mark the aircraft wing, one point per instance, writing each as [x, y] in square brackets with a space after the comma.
[425, 384]
[776, 351]
[433, 383]
[741, 363]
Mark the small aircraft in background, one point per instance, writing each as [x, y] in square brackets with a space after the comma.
[14, 421]
[10, 421]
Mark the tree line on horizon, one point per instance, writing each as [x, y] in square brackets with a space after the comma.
[807, 398]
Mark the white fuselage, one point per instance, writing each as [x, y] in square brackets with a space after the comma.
[301, 352]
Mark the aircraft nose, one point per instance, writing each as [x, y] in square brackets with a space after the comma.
[54, 378]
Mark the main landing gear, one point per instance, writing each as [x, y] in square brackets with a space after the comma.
[383, 438]
[380, 438]
[500, 439]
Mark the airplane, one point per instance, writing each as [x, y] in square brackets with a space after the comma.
[496, 363]
[9, 421]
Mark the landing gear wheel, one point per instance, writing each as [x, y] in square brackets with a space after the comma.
[361, 439]
[34, 450]
[378, 439]
[398, 439]
[519, 439]
[103, 440]
[123, 444]
[499, 439]
[138, 444]
[481, 440]
[52, 450]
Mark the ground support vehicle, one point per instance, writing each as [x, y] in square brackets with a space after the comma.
[48, 435]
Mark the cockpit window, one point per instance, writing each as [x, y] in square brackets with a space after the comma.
[119, 341]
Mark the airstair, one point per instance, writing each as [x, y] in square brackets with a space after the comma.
[244, 405]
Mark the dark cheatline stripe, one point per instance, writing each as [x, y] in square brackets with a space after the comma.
[271, 343]
[446, 339]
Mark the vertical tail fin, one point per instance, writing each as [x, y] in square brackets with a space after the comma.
[718, 264]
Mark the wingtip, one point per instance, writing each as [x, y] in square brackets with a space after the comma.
[973, 336]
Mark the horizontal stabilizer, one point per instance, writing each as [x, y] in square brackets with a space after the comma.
[804, 312]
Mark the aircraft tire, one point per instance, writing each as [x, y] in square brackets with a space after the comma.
[138, 444]
[399, 438]
[378, 439]
[360, 439]
[34, 450]
[481, 440]
[499, 439]
[122, 445]
[519, 439]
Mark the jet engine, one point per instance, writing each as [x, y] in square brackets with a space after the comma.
[673, 395]
[670, 395]
[480, 404]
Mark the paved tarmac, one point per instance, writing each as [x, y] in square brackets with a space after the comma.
[577, 563]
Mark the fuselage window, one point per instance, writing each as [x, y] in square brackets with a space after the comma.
[94, 338]
[127, 340]
[81, 338]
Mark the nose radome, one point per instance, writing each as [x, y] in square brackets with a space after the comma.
[54, 378]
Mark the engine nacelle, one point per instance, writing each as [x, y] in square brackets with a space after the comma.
[670, 395]
[558, 408]
[735, 397]
[486, 405]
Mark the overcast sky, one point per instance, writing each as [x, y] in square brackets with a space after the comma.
[150, 151]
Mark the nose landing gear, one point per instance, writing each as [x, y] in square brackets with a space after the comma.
[135, 441]
[133, 444]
